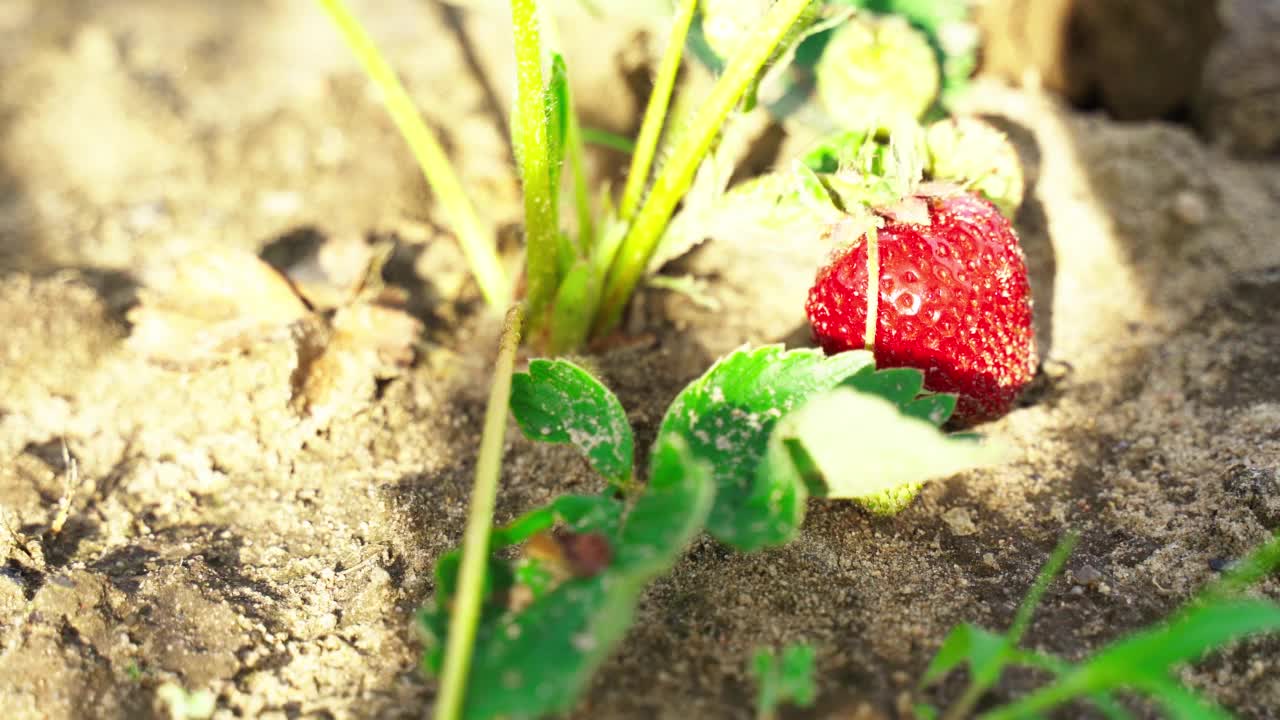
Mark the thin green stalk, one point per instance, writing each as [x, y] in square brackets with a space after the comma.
[655, 113]
[1052, 568]
[606, 139]
[529, 135]
[484, 493]
[963, 707]
[677, 173]
[581, 193]
[477, 243]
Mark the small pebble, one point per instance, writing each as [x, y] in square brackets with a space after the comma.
[1087, 575]
[960, 521]
[1190, 208]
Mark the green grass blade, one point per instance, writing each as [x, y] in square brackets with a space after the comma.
[655, 113]
[606, 139]
[1022, 620]
[1257, 565]
[477, 243]
[1186, 638]
[1182, 704]
[466, 609]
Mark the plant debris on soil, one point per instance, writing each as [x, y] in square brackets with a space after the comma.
[228, 531]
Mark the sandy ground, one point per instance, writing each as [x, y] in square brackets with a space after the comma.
[216, 541]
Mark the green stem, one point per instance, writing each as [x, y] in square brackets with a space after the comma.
[655, 113]
[606, 139]
[475, 551]
[477, 243]
[677, 173]
[529, 135]
[581, 193]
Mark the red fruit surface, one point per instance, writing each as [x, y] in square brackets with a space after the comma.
[954, 302]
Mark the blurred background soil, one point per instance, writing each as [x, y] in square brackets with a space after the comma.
[221, 537]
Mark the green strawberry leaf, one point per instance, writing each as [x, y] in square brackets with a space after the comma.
[726, 417]
[934, 409]
[1150, 655]
[897, 385]
[536, 660]
[559, 402]
[578, 513]
[882, 460]
[980, 648]
[785, 679]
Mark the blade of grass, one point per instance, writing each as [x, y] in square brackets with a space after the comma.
[677, 173]
[477, 243]
[484, 493]
[1051, 568]
[655, 113]
[530, 137]
[606, 139]
[983, 679]
[577, 163]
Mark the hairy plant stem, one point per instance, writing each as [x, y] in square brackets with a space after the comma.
[530, 138]
[676, 174]
[477, 242]
[475, 551]
[655, 113]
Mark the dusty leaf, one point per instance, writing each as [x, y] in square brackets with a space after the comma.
[559, 402]
[726, 418]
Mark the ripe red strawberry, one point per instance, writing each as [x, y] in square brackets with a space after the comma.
[953, 301]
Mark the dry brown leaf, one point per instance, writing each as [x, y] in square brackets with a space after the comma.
[217, 302]
[225, 300]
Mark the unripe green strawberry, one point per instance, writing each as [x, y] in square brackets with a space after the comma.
[877, 71]
[726, 23]
[969, 152]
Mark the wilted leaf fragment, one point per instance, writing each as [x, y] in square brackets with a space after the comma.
[224, 301]
[559, 402]
[727, 416]
[537, 660]
[865, 448]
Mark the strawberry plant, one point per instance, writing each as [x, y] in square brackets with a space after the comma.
[518, 634]
[577, 284]
[1144, 661]
[918, 217]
